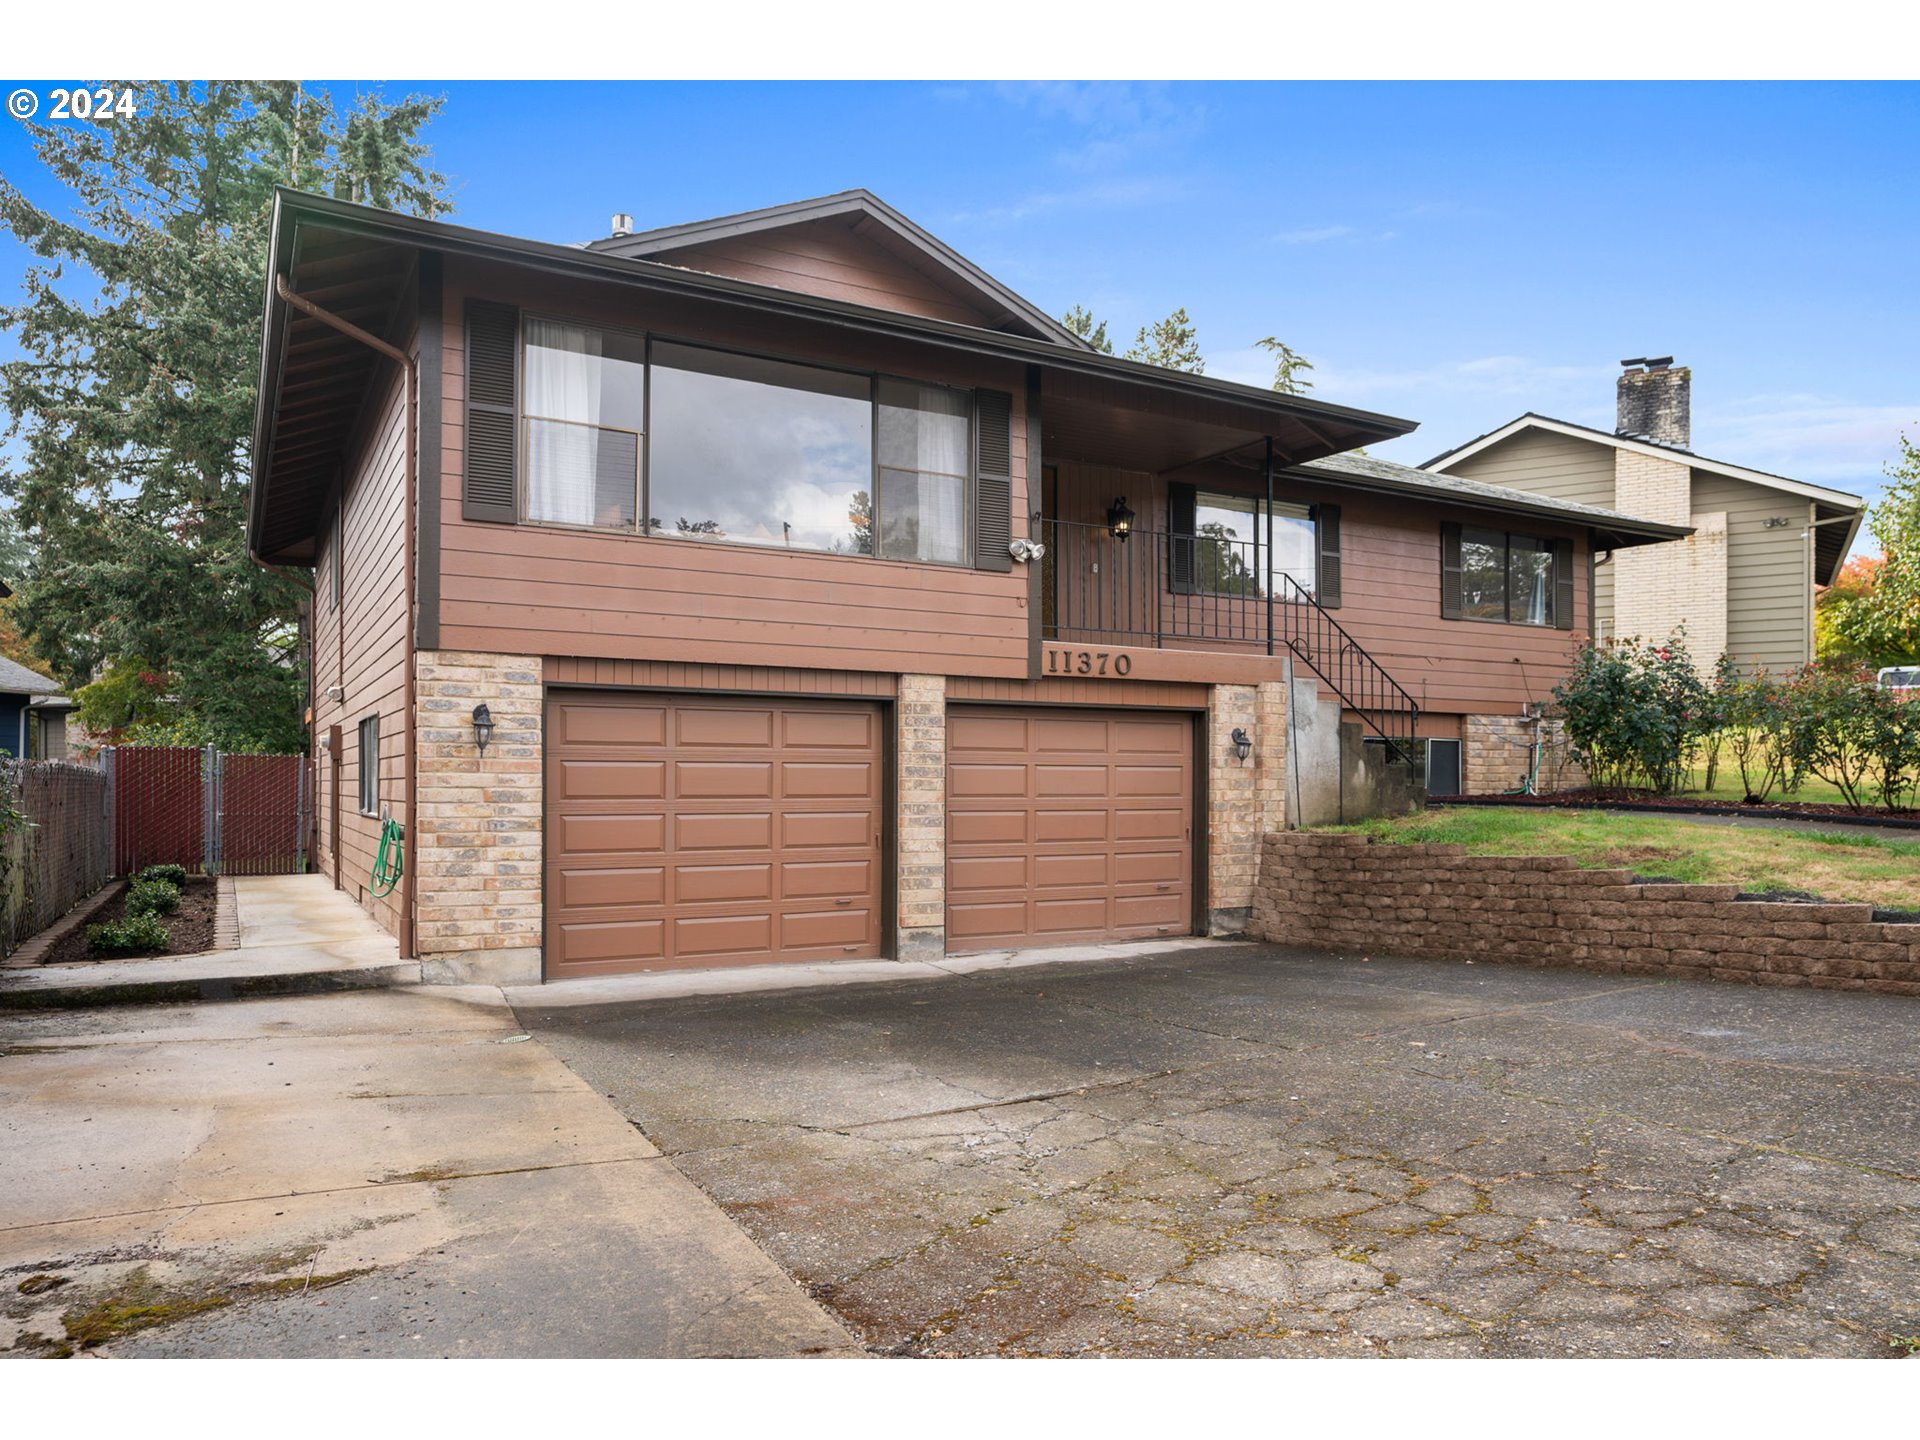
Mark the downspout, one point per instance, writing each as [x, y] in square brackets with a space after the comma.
[1266, 580]
[409, 949]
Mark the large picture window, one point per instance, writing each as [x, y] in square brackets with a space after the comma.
[760, 452]
[585, 408]
[926, 457]
[1513, 579]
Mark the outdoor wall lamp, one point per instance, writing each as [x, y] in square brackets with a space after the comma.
[1119, 519]
[482, 726]
[1242, 742]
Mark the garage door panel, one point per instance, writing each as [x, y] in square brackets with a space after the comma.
[611, 834]
[613, 941]
[582, 889]
[811, 879]
[711, 936]
[612, 780]
[827, 829]
[1068, 826]
[1071, 826]
[732, 830]
[825, 780]
[976, 778]
[987, 827]
[1072, 872]
[731, 727]
[610, 725]
[1150, 824]
[1150, 867]
[968, 873]
[689, 830]
[711, 884]
[824, 930]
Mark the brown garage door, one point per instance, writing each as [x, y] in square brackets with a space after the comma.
[688, 831]
[1067, 825]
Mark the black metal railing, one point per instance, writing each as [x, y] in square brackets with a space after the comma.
[1159, 589]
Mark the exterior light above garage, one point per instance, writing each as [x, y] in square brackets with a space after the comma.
[482, 726]
[1242, 742]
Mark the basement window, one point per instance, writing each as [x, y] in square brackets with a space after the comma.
[370, 765]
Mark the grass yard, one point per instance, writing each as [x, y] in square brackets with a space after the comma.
[1836, 866]
[1726, 786]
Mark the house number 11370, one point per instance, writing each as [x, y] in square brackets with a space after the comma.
[1088, 662]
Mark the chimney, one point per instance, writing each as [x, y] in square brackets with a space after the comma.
[1655, 402]
[622, 225]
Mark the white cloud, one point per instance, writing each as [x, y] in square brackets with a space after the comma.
[1818, 438]
[1317, 236]
[1101, 195]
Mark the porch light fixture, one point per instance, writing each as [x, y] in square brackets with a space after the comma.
[1119, 519]
[1242, 742]
[482, 726]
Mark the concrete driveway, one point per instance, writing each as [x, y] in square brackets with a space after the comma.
[1246, 1151]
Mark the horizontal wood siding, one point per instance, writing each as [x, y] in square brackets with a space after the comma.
[361, 647]
[523, 589]
[829, 259]
[1157, 694]
[1562, 467]
[747, 679]
[1769, 593]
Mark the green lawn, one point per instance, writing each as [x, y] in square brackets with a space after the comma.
[1726, 786]
[1839, 866]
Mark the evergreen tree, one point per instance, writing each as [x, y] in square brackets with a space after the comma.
[1288, 366]
[1081, 322]
[1170, 343]
[133, 399]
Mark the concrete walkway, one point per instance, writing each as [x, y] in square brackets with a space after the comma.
[374, 1173]
[298, 935]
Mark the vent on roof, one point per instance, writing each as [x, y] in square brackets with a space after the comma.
[622, 224]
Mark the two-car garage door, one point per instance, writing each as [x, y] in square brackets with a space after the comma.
[687, 831]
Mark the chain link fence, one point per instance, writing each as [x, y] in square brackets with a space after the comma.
[61, 850]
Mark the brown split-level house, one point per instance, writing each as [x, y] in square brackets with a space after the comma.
[784, 587]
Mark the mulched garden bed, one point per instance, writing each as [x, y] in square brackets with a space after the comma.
[1595, 799]
[191, 926]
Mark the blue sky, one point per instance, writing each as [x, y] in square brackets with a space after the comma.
[1453, 253]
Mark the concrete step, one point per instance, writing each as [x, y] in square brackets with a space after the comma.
[217, 975]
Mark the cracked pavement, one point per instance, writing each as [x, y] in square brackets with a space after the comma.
[1246, 1150]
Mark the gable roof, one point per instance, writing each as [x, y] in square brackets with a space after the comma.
[924, 248]
[17, 679]
[1832, 543]
[1613, 530]
[1531, 421]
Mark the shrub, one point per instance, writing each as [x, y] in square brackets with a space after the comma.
[128, 936]
[1830, 720]
[1636, 713]
[172, 874]
[1754, 711]
[152, 897]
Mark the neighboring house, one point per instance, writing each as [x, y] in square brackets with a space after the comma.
[828, 600]
[1742, 583]
[33, 714]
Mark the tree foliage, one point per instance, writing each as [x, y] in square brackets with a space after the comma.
[133, 397]
[1289, 366]
[1877, 622]
[1174, 344]
[1081, 322]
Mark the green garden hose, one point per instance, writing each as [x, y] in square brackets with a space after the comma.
[391, 859]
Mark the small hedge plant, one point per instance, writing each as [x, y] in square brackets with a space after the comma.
[152, 897]
[129, 936]
[173, 874]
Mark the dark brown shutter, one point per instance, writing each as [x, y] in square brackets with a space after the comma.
[993, 486]
[1181, 516]
[1450, 579]
[1326, 536]
[493, 394]
[1563, 584]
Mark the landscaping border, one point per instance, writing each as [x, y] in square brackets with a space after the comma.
[1349, 893]
[1754, 812]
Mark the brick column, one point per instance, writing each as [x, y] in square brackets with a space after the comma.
[920, 817]
[477, 845]
[1245, 798]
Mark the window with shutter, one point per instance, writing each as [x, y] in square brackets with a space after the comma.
[1504, 578]
[993, 482]
[493, 392]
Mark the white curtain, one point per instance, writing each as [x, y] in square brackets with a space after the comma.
[563, 385]
[943, 453]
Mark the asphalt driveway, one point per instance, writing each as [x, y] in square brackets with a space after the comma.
[1244, 1150]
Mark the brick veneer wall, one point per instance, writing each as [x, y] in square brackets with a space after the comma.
[921, 818]
[477, 845]
[1497, 751]
[1435, 902]
[1245, 798]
